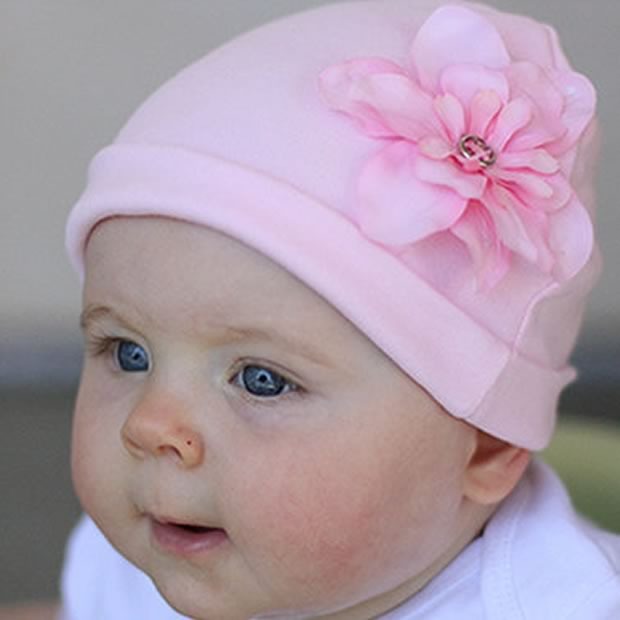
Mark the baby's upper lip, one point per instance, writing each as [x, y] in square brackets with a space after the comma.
[180, 521]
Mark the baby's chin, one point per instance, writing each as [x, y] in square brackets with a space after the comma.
[192, 603]
[190, 609]
[189, 600]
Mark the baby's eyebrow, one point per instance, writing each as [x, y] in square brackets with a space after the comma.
[255, 333]
[93, 313]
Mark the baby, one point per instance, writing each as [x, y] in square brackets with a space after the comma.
[333, 273]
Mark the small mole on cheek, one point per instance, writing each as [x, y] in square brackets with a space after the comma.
[189, 442]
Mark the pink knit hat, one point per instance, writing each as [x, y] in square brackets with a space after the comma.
[426, 168]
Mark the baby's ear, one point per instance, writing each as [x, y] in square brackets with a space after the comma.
[493, 470]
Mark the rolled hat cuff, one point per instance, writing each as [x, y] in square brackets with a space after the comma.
[473, 374]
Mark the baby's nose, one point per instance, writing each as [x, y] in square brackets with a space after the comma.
[163, 430]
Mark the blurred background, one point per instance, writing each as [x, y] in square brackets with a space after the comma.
[71, 72]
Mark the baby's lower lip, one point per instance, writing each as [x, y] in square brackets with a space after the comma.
[181, 539]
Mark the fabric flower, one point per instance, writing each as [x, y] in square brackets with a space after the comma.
[471, 143]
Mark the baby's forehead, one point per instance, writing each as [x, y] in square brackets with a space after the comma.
[184, 252]
[188, 273]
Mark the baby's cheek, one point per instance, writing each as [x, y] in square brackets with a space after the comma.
[95, 464]
[82, 466]
[325, 532]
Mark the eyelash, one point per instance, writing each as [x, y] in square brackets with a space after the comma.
[105, 345]
[291, 388]
[100, 345]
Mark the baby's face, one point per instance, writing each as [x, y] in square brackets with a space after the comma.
[242, 443]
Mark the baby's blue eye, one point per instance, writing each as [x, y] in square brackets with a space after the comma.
[262, 382]
[131, 357]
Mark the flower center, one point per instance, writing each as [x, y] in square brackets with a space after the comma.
[474, 148]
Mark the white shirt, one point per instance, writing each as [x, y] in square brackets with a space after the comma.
[536, 560]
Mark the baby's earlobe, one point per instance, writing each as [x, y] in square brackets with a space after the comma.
[494, 469]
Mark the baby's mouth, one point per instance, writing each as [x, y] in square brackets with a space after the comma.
[191, 529]
[185, 538]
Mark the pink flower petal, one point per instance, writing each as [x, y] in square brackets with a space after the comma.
[455, 32]
[435, 148]
[483, 110]
[451, 113]
[537, 226]
[579, 107]
[465, 81]
[538, 160]
[513, 117]
[525, 181]
[394, 206]
[337, 82]
[532, 83]
[511, 229]
[446, 173]
[398, 102]
[477, 231]
[561, 193]
[571, 238]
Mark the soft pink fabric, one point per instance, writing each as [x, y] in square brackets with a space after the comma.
[472, 279]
